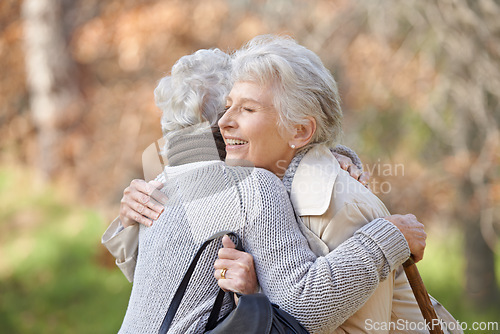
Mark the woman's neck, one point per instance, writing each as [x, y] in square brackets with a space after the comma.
[292, 168]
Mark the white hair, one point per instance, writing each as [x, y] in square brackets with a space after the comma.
[301, 84]
[195, 91]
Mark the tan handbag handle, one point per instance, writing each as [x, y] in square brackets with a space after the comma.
[422, 297]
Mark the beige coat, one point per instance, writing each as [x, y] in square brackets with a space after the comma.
[333, 206]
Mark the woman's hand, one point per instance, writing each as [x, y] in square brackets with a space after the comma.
[413, 232]
[237, 268]
[347, 165]
[142, 202]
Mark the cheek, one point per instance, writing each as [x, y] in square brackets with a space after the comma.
[261, 145]
[272, 145]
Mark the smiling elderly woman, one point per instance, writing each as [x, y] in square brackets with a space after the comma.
[283, 114]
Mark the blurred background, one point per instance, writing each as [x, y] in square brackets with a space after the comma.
[420, 83]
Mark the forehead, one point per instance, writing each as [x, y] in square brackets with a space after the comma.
[248, 91]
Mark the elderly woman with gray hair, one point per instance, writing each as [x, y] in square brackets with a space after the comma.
[283, 114]
[206, 196]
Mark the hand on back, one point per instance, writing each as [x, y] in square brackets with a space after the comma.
[353, 170]
[142, 202]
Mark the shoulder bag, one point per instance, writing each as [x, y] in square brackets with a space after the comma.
[255, 314]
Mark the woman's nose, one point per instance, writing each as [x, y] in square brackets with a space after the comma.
[227, 120]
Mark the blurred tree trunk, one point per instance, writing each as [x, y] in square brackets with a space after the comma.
[51, 79]
[476, 141]
[481, 285]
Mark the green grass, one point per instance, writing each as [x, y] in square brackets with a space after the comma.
[52, 275]
[55, 276]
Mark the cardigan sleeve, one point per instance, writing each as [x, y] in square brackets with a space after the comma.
[320, 292]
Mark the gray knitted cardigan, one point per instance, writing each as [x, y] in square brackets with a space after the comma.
[208, 196]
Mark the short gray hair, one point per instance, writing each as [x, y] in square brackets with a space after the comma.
[301, 84]
[195, 91]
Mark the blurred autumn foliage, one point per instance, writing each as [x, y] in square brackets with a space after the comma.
[420, 82]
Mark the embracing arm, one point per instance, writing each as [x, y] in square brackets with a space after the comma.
[324, 293]
[320, 292]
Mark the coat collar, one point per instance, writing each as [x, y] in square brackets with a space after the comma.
[312, 185]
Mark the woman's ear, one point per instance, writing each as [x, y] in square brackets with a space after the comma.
[304, 132]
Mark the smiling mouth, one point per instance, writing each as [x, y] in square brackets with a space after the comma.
[235, 142]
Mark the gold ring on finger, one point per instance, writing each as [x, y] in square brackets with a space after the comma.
[223, 273]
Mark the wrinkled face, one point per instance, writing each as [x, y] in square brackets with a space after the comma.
[250, 129]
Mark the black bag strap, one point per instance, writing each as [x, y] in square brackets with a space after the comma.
[179, 294]
[214, 315]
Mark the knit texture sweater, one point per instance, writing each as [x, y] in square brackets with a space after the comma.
[206, 197]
